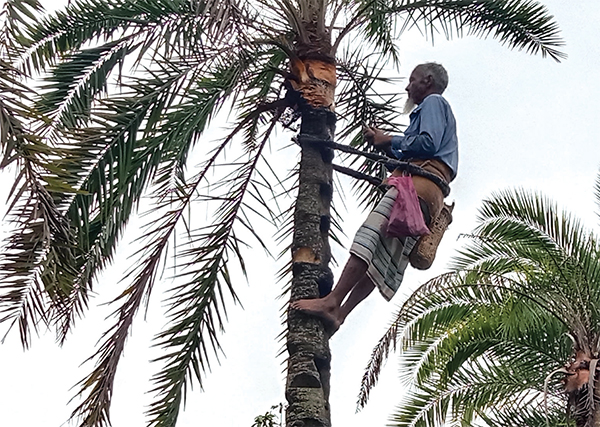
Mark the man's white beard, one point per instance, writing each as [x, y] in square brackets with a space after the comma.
[409, 105]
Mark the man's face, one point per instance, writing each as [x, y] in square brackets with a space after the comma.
[419, 86]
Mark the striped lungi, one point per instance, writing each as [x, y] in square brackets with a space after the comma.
[386, 257]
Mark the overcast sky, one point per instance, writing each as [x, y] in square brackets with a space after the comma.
[523, 122]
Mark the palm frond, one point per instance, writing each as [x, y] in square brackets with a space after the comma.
[25, 298]
[94, 409]
[158, 27]
[67, 96]
[474, 394]
[15, 16]
[520, 24]
[529, 416]
[524, 232]
[597, 192]
[477, 343]
[196, 307]
[479, 360]
[121, 165]
[362, 101]
[453, 299]
[15, 114]
[40, 236]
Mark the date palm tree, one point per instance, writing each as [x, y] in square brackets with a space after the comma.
[125, 92]
[511, 336]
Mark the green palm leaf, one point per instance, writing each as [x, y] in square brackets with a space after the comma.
[520, 24]
[478, 343]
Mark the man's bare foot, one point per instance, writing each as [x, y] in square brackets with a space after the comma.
[326, 310]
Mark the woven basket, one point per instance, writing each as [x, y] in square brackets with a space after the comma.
[423, 253]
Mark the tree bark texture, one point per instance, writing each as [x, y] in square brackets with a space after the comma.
[308, 373]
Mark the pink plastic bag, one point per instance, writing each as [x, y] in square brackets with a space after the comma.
[406, 218]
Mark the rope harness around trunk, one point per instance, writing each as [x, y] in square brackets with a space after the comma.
[393, 163]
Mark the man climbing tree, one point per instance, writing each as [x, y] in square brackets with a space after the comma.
[377, 260]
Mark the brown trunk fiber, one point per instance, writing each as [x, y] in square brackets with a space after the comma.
[315, 80]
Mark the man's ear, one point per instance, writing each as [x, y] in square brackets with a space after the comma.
[429, 81]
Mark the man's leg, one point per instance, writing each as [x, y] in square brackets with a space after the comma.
[362, 290]
[329, 306]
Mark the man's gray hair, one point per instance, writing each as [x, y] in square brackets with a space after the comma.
[438, 74]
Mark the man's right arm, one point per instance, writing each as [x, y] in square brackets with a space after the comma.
[417, 145]
[379, 140]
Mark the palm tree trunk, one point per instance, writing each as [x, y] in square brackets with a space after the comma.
[581, 411]
[307, 388]
[579, 384]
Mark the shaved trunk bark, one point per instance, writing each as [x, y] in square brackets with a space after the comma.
[307, 388]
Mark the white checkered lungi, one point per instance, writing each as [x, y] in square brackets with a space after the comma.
[386, 257]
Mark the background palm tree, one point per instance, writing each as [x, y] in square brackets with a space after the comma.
[510, 337]
[129, 88]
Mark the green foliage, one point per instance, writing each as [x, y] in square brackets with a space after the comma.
[478, 343]
[270, 418]
[104, 107]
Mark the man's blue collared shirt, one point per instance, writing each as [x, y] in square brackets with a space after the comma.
[433, 117]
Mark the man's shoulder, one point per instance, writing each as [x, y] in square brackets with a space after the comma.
[435, 98]
[437, 103]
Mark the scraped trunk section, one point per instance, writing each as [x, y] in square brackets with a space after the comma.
[315, 80]
[307, 388]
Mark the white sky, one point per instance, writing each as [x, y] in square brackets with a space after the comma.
[523, 121]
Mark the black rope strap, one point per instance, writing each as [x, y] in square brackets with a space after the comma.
[396, 164]
[358, 175]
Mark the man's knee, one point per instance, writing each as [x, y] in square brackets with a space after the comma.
[357, 262]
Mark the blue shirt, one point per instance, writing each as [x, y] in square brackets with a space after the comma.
[433, 117]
